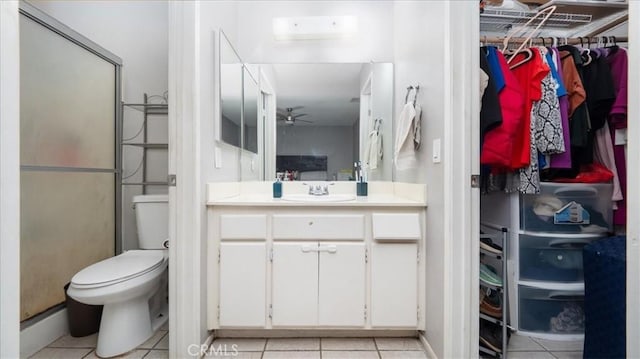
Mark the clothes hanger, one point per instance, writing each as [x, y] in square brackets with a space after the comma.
[547, 12]
[586, 53]
[613, 46]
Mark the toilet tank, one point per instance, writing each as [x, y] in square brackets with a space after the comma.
[152, 220]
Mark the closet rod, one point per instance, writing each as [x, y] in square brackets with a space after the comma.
[561, 40]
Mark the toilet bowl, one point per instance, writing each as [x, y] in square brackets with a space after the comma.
[131, 286]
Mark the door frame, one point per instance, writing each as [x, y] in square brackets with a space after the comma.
[463, 34]
[10, 179]
[461, 158]
[633, 185]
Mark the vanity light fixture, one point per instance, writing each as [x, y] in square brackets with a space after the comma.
[314, 27]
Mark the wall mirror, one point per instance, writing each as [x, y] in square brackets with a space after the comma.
[325, 113]
[231, 82]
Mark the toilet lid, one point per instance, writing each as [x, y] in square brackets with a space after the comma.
[119, 268]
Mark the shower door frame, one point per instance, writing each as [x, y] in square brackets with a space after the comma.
[41, 18]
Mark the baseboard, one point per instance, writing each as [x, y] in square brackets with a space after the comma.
[42, 333]
[427, 347]
[306, 333]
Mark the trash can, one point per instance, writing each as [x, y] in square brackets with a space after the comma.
[84, 319]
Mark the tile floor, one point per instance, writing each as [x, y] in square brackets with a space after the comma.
[317, 348]
[68, 347]
[521, 347]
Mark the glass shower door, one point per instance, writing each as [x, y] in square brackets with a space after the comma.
[68, 116]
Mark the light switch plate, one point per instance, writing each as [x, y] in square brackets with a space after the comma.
[436, 151]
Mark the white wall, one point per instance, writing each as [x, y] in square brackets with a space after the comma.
[9, 180]
[418, 45]
[336, 142]
[136, 31]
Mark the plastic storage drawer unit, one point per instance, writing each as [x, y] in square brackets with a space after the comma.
[551, 311]
[568, 208]
[553, 258]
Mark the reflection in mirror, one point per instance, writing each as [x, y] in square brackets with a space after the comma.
[230, 93]
[250, 113]
[322, 126]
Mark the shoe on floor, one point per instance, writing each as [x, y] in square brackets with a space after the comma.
[490, 304]
[489, 246]
[491, 336]
[489, 276]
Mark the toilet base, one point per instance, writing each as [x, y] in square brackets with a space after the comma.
[124, 326]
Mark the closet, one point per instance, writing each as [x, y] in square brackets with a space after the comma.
[553, 87]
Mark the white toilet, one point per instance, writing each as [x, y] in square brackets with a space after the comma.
[132, 286]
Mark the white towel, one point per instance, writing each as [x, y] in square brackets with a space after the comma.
[373, 150]
[404, 153]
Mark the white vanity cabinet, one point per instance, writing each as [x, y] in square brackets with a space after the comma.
[243, 284]
[315, 267]
[394, 292]
[318, 284]
[242, 259]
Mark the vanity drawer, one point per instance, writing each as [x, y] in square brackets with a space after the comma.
[553, 258]
[396, 227]
[243, 226]
[321, 226]
[551, 311]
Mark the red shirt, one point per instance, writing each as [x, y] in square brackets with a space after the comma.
[529, 75]
[498, 146]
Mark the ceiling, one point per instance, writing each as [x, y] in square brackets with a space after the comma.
[327, 92]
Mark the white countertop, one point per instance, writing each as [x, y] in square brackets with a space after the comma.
[381, 194]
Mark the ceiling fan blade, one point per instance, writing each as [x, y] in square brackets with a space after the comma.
[299, 115]
[307, 121]
[294, 108]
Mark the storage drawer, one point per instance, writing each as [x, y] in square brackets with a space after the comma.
[553, 259]
[321, 226]
[393, 227]
[551, 311]
[243, 226]
[546, 212]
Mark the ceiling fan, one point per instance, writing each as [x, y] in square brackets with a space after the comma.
[288, 117]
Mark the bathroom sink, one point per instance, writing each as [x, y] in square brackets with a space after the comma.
[325, 198]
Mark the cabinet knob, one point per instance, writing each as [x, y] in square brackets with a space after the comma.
[311, 223]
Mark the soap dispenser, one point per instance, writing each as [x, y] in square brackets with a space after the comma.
[277, 188]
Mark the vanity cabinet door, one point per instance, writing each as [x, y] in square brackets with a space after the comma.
[295, 284]
[341, 284]
[243, 284]
[394, 285]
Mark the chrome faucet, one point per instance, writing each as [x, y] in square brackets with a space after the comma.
[317, 189]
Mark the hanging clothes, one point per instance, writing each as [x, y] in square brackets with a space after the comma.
[580, 124]
[529, 73]
[562, 160]
[548, 130]
[604, 154]
[484, 82]
[490, 114]
[618, 62]
[499, 146]
[598, 84]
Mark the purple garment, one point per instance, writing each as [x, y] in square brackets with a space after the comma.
[618, 62]
[562, 160]
[618, 119]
